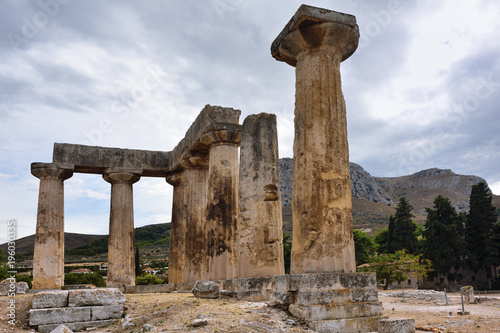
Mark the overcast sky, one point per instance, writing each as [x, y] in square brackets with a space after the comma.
[422, 90]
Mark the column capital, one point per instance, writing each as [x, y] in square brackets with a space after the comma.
[194, 162]
[222, 136]
[314, 29]
[122, 175]
[51, 170]
[177, 178]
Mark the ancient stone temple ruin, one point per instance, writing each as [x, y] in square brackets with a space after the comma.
[226, 214]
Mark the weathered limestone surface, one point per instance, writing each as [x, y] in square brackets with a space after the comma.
[50, 299]
[121, 263]
[100, 296]
[260, 235]
[61, 329]
[222, 205]
[7, 287]
[396, 325]
[76, 327]
[106, 312]
[206, 289]
[178, 229]
[196, 226]
[316, 41]
[58, 315]
[48, 258]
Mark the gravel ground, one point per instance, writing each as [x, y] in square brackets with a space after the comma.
[177, 312]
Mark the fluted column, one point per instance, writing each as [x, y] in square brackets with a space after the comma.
[48, 258]
[196, 224]
[260, 224]
[121, 263]
[316, 41]
[178, 229]
[222, 205]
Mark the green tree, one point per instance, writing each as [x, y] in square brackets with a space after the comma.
[390, 235]
[137, 262]
[443, 243]
[381, 240]
[364, 246]
[148, 279]
[78, 278]
[398, 266]
[479, 228]
[403, 236]
[287, 252]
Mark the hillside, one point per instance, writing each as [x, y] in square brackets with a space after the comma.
[374, 198]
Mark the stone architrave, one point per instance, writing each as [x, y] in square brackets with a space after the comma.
[222, 205]
[316, 41]
[196, 223]
[178, 230]
[121, 263]
[260, 225]
[48, 258]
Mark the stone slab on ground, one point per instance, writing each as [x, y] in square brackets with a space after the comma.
[105, 312]
[367, 324]
[50, 299]
[78, 326]
[206, 289]
[396, 325]
[58, 316]
[61, 329]
[100, 296]
[7, 287]
[336, 311]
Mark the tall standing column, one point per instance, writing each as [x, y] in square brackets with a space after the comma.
[196, 225]
[260, 224]
[121, 263]
[178, 229]
[316, 41]
[222, 206]
[48, 258]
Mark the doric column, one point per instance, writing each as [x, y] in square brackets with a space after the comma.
[196, 225]
[222, 205]
[121, 263]
[177, 255]
[48, 258]
[316, 41]
[260, 225]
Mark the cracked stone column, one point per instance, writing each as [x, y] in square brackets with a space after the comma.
[260, 224]
[222, 205]
[196, 223]
[316, 41]
[121, 263]
[178, 226]
[48, 257]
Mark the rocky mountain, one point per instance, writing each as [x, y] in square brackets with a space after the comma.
[374, 198]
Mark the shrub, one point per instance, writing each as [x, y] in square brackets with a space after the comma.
[148, 279]
[78, 278]
[24, 278]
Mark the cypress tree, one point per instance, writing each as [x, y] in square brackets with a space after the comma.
[404, 237]
[479, 228]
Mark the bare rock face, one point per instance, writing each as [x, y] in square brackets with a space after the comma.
[364, 186]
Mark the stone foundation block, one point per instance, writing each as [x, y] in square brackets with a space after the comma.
[318, 281]
[206, 289]
[80, 326]
[252, 295]
[61, 329]
[50, 299]
[323, 296]
[396, 325]
[58, 316]
[364, 295]
[355, 325]
[336, 311]
[100, 296]
[280, 299]
[106, 312]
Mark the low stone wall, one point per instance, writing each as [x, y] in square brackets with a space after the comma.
[159, 288]
[76, 309]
